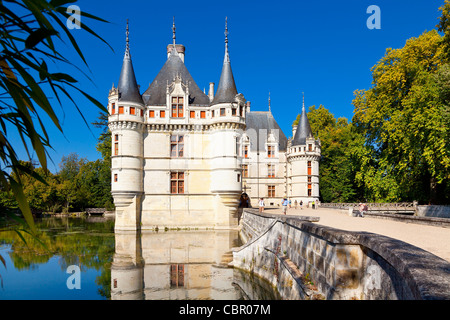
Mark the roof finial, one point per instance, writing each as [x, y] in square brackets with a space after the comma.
[226, 30]
[173, 30]
[269, 101]
[227, 56]
[303, 106]
[127, 49]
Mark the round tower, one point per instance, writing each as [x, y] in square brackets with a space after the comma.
[126, 122]
[303, 156]
[228, 124]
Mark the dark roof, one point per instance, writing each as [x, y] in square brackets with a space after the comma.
[226, 91]
[303, 129]
[257, 120]
[128, 88]
[155, 95]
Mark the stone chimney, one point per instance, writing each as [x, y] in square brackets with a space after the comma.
[211, 91]
[180, 49]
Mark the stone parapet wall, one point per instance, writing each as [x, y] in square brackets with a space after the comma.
[304, 260]
[433, 211]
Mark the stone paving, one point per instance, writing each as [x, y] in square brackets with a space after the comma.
[430, 238]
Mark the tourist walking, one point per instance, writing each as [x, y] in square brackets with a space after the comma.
[284, 204]
[261, 205]
[301, 204]
[295, 204]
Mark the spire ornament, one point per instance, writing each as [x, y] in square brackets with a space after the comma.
[227, 56]
[303, 106]
[173, 31]
[269, 102]
[127, 47]
[226, 30]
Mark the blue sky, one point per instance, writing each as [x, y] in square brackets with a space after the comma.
[321, 48]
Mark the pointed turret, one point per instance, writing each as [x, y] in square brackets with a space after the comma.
[303, 128]
[128, 87]
[226, 91]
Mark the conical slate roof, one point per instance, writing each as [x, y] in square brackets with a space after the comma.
[128, 87]
[155, 95]
[226, 91]
[303, 129]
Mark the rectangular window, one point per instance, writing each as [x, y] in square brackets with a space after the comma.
[116, 144]
[142, 113]
[202, 114]
[120, 109]
[162, 114]
[115, 177]
[177, 182]
[271, 191]
[177, 107]
[132, 110]
[309, 168]
[309, 178]
[271, 171]
[238, 177]
[270, 151]
[113, 108]
[177, 146]
[245, 152]
[222, 112]
[233, 111]
[176, 275]
[151, 114]
[192, 114]
[310, 148]
[245, 170]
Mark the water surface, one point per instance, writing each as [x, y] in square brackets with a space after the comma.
[82, 258]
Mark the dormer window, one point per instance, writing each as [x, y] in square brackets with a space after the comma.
[177, 107]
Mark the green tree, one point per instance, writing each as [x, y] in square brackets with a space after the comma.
[444, 26]
[407, 137]
[104, 147]
[69, 186]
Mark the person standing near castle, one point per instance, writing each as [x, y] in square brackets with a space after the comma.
[261, 205]
[284, 204]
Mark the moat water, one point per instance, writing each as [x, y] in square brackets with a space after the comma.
[82, 258]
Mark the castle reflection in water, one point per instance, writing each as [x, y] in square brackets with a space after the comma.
[172, 265]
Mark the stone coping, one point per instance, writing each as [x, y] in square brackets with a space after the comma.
[281, 216]
[427, 275]
[431, 221]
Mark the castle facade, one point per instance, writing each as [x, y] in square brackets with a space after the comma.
[182, 158]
